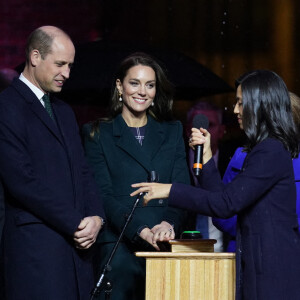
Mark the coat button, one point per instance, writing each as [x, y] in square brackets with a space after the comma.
[160, 201]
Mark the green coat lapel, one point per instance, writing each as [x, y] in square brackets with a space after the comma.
[127, 142]
[155, 136]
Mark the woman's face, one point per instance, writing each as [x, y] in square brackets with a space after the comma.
[138, 89]
[238, 108]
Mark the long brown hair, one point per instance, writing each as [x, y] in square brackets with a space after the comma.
[163, 101]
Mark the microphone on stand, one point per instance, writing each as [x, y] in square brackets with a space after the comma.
[152, 177]
[199, 121]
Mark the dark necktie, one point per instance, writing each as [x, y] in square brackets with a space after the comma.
[48, 106]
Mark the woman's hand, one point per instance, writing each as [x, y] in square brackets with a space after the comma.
[163, 232]
[199, 137]
[147, 235]
[152, 190]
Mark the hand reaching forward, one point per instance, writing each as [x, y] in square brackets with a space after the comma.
[87, 232]
[152, 190]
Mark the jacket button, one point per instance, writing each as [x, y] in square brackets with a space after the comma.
[160, 201]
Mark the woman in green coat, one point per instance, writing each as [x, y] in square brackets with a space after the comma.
[139, 138]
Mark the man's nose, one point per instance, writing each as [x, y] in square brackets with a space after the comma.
[66, 72]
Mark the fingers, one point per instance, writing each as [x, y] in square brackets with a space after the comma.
[164, 235]
[143, 188]
[84, 245]
[146, 199]
[87, 232]
[147, 235]
[155, 245]
[197, 137]
[82, 224]
[152, 190]
[163, 232]
[84, 229]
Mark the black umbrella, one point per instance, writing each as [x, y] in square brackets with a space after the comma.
[96, 63]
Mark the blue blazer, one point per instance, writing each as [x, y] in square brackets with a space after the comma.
[49, 190]
[118, 161]
[264, 198]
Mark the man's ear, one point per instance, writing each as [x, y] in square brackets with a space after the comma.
[35, 57]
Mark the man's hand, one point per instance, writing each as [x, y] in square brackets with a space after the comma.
[87, 232]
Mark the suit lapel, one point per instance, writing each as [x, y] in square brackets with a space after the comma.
[36, 106]
[126, 141]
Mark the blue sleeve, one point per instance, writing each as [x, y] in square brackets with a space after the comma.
[234, 168]
[296, 166]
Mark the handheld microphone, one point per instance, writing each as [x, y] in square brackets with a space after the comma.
[199, 121]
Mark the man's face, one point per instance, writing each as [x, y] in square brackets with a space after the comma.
[215, 129]
[51, 72]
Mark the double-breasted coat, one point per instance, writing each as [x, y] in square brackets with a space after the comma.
[118, 161]
[48, 190]
[264, 198]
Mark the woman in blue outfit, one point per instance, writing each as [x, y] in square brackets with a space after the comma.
[263, 195]
[235, 167]
[139, 138]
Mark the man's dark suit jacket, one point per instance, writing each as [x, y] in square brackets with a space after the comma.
[264, 198]
[50, 189]
[1, 210]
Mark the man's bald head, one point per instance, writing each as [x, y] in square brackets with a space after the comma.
[42, 39]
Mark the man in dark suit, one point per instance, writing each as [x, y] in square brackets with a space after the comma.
[53, 213]
[6, 77]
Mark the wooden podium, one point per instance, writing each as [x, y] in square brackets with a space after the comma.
[189, 275]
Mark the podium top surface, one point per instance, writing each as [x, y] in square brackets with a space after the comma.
[193, 241]
[187, 255]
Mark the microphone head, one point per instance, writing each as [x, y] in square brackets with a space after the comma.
[153, 176]
[200, 121]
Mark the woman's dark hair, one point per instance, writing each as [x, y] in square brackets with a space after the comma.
[163, 101]
[267, 110]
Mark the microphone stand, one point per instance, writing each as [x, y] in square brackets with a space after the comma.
[153, 176]
[107, 266]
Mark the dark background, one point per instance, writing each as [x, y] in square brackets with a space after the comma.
[227, 36]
